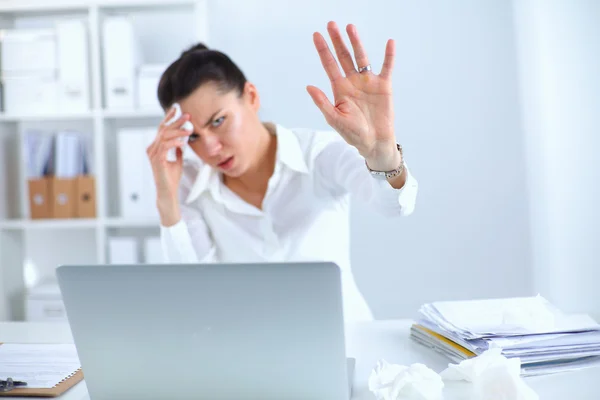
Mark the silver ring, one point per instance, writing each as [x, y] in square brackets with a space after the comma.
[365, 68]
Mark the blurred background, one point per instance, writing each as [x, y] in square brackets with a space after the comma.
[497, 106]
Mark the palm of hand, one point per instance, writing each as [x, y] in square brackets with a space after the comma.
[362, 112]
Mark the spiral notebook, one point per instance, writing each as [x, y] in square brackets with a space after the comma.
[49, 369]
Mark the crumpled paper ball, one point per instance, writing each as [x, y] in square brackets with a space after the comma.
[399, 382]
[494, 377]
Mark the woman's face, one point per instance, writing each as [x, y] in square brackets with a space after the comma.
[224, 127]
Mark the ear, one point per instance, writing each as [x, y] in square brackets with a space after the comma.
[251, 96]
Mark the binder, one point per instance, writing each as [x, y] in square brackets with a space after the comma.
[73, 66]
[121, 60]
[147, 85]
[56, 391]
[137, 191]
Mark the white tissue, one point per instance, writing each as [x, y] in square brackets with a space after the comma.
[500, 383]
[399, 382]
[187, 126]
[494, 377]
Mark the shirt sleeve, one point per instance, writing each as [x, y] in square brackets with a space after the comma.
[189, 240]
[340, 169]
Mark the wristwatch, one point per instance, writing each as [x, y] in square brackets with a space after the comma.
[384, 175]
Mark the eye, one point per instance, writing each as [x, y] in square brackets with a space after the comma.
[193, 137]
[217, 122]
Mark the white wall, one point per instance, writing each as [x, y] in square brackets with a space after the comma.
[458, 118]
[559, 57]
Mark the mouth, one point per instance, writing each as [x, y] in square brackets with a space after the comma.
[226, 164]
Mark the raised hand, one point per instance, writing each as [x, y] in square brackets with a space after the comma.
[362, 111]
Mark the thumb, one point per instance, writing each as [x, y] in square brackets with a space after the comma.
[322, 102]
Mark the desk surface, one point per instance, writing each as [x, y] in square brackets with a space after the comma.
[368, 342]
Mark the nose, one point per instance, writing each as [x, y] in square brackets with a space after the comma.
[212, 145]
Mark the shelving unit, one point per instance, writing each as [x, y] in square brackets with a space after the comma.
[30, 250]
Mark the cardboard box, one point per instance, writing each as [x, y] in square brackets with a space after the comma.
[63, 201]
[45, 304]
[85, 190]
[39, 198]
[51, 197]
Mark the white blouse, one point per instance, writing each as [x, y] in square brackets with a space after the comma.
[305, 214]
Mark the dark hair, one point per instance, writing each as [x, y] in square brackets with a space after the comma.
[194, 67]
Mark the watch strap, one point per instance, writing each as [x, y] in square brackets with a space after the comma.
[389, 174]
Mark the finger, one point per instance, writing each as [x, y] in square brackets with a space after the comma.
[150, 149]
[359, 51]
[168, 116]
[341, 49]
[172, 133]
[388, 61]
[176, 128]
[329, 63]
[323, 103]
[167, 145]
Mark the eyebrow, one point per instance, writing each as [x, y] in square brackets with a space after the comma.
[212, 117]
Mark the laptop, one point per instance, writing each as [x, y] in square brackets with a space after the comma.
[211, 331]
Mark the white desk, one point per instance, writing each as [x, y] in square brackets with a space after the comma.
[368, 343]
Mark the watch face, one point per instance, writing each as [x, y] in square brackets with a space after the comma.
[379, 175]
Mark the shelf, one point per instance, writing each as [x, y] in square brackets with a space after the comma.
[107, 114]
[46, 117]
[17, 224]
[33, 248]
[131, 223]
[37, 6]
[48, 224]
[8, 6]
[131, 114]
[141, 3]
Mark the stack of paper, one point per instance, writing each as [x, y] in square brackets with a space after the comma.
[545, 339]
[42, 366]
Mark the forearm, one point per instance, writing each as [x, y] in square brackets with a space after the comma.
[341, 169]
[185, 236]
[168, 211]
[187, 242]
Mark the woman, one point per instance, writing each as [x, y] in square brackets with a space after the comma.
[261, 192]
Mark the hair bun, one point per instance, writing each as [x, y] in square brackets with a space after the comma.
[194, 48]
